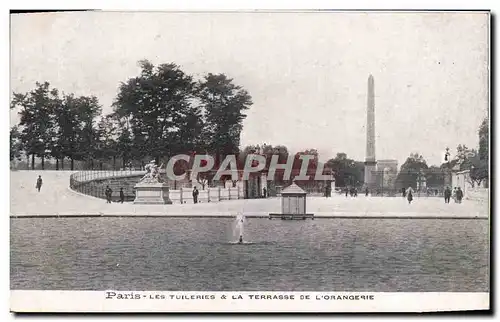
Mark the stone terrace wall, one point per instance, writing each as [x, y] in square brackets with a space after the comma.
[94, 184]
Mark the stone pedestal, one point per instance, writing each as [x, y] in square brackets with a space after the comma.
[152, 193]
[370, 175]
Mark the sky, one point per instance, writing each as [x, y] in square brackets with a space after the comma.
[307, 72]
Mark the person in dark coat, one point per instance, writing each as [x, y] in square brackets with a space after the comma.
[39, 183]
[460, 195]
[403, 191]
[195, 195]
[409, 194]
[367, 192]
[264, 192]
[447, 195]
[122, 195]
[108, 192]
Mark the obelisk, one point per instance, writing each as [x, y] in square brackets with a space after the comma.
[370, 161]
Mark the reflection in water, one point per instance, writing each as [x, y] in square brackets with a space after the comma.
[202, 254]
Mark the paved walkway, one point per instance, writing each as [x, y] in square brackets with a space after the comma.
[56, 199]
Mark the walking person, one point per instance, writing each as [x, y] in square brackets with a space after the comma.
[39, 183]
[195, 195]
[454, 195]
[366, 192]
[328, 191]
[460, 195]
[447, 195]
[264, 192]
[403, 192]
[108, 192]
[122, 195]
[409, 194]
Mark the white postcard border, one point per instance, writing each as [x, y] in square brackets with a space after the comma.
[241, 302]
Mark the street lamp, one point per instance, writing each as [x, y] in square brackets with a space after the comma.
[447, 155]
[419, 179]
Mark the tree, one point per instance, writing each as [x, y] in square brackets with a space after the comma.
[484, 140]
[346, 171]
[481, 171]
[267, 151]
[282, 152]
[463, 157]
[158, 106]
[88, 109]
[59, 116]
[37, 130]
[412, 171]
[67, 130]
[312, 164]
[15, 144]
[470, 159]
[434, 176]
[223, 103]
[106, 140]
[189, 137]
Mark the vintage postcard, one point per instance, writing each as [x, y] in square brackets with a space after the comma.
[269, 161]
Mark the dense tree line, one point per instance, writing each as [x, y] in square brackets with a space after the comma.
[159, 113]
[164, 112]
[348, 172]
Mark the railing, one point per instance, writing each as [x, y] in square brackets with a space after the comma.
[93, 175]
[86, 182]
[185, 195]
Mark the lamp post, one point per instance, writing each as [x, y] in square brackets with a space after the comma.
[447, 177]
[470, 176]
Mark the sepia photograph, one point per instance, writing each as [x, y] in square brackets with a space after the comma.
[249, 161]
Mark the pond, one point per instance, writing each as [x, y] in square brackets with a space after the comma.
[200, 254]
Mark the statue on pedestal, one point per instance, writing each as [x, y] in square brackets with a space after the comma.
[152, 173]
[151, 189]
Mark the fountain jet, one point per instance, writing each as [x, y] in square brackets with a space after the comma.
[238, 229]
